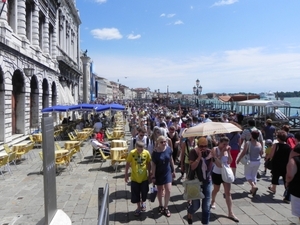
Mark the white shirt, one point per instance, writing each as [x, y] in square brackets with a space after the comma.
[96, 144]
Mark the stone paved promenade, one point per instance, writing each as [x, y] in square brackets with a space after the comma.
[22, 200]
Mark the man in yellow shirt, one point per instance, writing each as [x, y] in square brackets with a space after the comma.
[139, 162]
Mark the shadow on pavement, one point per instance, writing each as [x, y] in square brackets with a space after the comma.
[121, 194]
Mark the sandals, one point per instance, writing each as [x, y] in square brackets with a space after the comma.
[254, 191]
[167, 212]
[137, 212]
[270, 189]
[234, 218]
[190, 218]
[160, 209]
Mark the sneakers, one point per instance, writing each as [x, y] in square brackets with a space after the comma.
[143, 206]
[286, 201]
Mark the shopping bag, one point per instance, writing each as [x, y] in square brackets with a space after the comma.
[268, 164]
[245, 160]
[192, 190]
[153, 193]
[227, 174]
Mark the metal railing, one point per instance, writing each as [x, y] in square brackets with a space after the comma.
[103, 205]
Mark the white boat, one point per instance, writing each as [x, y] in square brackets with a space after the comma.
[267, 95]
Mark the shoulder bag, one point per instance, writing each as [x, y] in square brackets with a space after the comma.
[192, 187]
[245, 160]
[227, 174]
[268, 162]
[192, 190]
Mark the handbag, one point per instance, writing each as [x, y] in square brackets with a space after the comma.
[192, 190]
[245, 160]
[268, 164]
[227, 174]
[153, 193]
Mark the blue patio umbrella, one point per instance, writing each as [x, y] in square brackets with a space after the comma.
[115, 106]
[56, 108]
[86, 106]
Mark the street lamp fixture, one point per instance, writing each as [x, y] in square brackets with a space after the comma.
[28, 72]
[197, 91]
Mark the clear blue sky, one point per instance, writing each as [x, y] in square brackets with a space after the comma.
[229, 45]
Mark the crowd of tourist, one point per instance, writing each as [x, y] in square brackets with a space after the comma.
[157, 136]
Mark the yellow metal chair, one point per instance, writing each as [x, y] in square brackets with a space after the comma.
[72, 138]
[21, 152]
[57, 146]
[72, 153]
[62, 159]
[12, 157]
[7, 149]
[31, 138]
[4, 163]
[104, 157]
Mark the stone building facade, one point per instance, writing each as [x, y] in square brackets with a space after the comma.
[39, 59]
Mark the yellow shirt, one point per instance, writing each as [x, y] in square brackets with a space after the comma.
[139, 164]
[268, 150]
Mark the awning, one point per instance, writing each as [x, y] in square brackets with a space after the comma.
[265, 103]
[237, 98]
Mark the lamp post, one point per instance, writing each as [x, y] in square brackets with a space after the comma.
[197, 91]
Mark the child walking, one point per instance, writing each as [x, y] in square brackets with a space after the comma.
[268, 144]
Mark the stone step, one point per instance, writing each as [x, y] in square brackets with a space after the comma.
[15, 139]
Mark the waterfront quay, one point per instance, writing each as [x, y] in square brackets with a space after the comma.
[77, 195]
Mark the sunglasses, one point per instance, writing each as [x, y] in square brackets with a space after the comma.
[202, 146]
[163, 142]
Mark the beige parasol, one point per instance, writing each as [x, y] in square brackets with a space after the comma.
[211, 128]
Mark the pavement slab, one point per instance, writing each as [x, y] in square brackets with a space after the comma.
[77, 194]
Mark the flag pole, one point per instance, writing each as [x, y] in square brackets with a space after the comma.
[4, 2]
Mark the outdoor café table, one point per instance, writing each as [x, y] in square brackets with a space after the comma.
[118, 143]
[62, 151]
[88, 129]
[70, 144]
[82, 135]
[3, 153]
[118, 153]
[118, 134]
[37, 137]
[18, 146]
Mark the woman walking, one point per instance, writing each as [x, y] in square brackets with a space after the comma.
[200, 167]
[280, 156]
[293, 181]
[255, 150]
[221, 155]
[163, 172]
[235, 145]
[173, 135]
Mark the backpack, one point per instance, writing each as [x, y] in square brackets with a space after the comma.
[134, 141]
[291, 142]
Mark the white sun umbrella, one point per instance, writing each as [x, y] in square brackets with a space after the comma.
[211, 128]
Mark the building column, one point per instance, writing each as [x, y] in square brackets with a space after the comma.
[46, 35]
[86, 61]
[21, 8]
[54, 42]
[35, 26]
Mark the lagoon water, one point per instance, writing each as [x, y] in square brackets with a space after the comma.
[295, 102]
